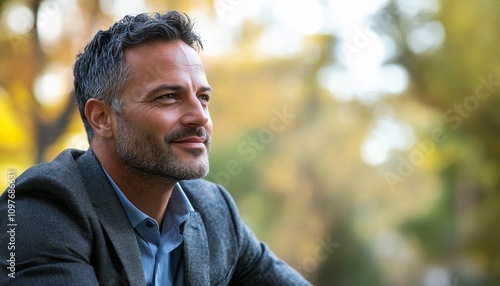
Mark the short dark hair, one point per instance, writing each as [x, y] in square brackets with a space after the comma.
[100, 71]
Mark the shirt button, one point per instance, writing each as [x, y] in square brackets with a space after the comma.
[150, 224]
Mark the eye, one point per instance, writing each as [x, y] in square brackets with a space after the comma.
[167, 96]
[205, 97]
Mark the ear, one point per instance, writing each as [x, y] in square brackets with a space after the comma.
[100, 117]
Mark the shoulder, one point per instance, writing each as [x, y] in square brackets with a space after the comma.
[216, 208]
[55, 183]
[56, 226]
[207, 197]
[250, 261]
[61, 169]
[204, 193]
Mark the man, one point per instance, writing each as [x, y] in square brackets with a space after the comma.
[132, 210]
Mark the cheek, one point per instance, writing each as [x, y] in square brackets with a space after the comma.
[158, 120]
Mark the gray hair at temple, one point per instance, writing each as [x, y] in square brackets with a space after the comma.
[100, 71]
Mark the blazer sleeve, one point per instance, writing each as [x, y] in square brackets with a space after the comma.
[50, 244]
[256, 263]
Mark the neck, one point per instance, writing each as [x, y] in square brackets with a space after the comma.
[148, 193]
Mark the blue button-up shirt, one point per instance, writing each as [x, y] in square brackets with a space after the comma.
[161, 252]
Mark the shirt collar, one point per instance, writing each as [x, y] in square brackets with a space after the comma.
[179, 206]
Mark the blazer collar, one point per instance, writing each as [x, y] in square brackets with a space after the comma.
[112, 217]
[196, 256]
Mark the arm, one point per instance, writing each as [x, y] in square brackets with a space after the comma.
[257, 264]
[48, 243]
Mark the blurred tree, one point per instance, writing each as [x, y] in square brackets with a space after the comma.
[461, 81]
[354, 257]
[24, 60]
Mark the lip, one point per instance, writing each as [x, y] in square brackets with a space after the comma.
[191, 142]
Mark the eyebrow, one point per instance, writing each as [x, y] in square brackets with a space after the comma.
[165, 87]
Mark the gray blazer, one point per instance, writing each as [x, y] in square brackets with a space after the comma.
[72, 230]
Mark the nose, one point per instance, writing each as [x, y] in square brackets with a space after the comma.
[195, 113]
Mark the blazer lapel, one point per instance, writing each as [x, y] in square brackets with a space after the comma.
[113, 219]
[196, 256]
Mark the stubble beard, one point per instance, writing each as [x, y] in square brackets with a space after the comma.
[141, 152]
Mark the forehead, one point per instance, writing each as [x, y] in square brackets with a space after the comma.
[162, 55]
[159, 62]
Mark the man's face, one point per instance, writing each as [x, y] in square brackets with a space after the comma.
[165, 127]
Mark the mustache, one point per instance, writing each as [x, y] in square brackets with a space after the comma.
[188, 132]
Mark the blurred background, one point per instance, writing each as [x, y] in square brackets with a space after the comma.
[360, 139]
